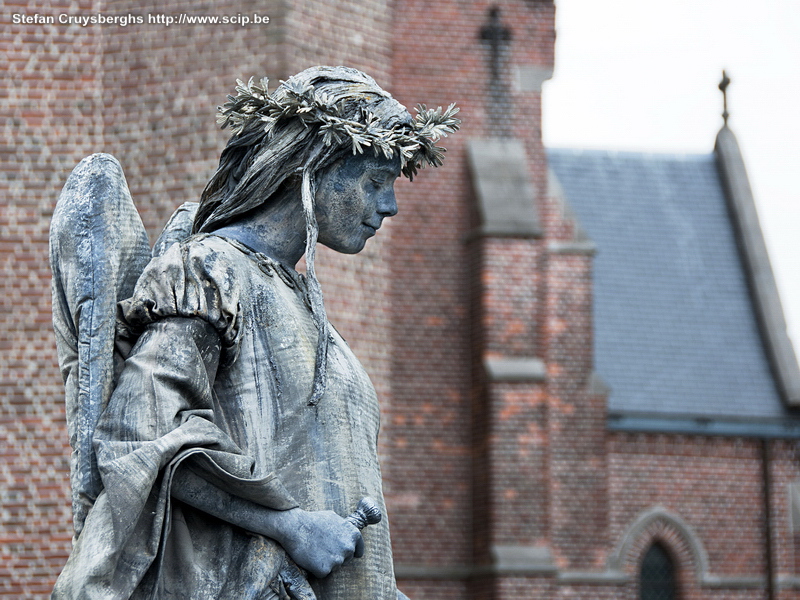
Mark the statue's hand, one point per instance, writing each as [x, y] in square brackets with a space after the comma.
[321, 541]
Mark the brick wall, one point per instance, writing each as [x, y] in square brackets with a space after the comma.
[49, 102]
[716, 486]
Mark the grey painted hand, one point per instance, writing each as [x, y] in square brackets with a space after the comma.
[321, 541]
[318, 541]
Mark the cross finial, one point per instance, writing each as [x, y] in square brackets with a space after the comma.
[723, 87]
[498, 37]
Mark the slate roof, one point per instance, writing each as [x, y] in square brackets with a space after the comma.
[676, 335]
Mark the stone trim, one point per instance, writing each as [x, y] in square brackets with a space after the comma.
[530, 78]
[597, 386]
[587, 247]
[787, 582]
[645, 521]
[593, 578]
[580, 243]
[745, 582]
[504, 190]
[508, 369]
[757, 266]
[514, 560]
[522, 560]
[793, 491]
[463, 572]
[628, 421]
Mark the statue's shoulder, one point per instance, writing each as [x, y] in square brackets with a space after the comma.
[241, 259]
[199, 277]
[202, 260]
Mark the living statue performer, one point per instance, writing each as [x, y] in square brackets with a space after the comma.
[222, 430]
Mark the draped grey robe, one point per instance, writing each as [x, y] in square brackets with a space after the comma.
[218, 381]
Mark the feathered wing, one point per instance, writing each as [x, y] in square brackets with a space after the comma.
[98, 249]
[177, 229]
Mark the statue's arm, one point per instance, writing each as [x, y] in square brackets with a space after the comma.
[171, 372]
[317, 541]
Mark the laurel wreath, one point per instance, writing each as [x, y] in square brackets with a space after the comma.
[414, 143]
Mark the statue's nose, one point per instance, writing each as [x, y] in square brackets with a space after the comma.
[387, 206]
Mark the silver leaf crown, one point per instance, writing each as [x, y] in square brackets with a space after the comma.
[414, 142]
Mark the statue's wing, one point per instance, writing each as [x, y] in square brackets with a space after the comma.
[98, 249]
[177, 229]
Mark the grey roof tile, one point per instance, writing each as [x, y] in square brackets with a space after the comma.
[675, 329]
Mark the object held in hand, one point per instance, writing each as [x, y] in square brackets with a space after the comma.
[366, 513]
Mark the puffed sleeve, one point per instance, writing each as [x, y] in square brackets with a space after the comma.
[192, 280]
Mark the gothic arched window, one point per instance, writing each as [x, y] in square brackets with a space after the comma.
[657, 575]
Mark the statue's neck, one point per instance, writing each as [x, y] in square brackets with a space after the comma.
[277, 230]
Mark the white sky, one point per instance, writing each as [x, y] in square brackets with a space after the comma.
[643, 75]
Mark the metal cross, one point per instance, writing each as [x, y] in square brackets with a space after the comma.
[723, 87]
[498, 37]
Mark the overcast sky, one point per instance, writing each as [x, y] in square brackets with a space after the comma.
[642, 75]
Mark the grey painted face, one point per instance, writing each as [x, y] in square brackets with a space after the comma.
[353, 198]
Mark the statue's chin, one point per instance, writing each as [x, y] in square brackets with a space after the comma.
[350, 248]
